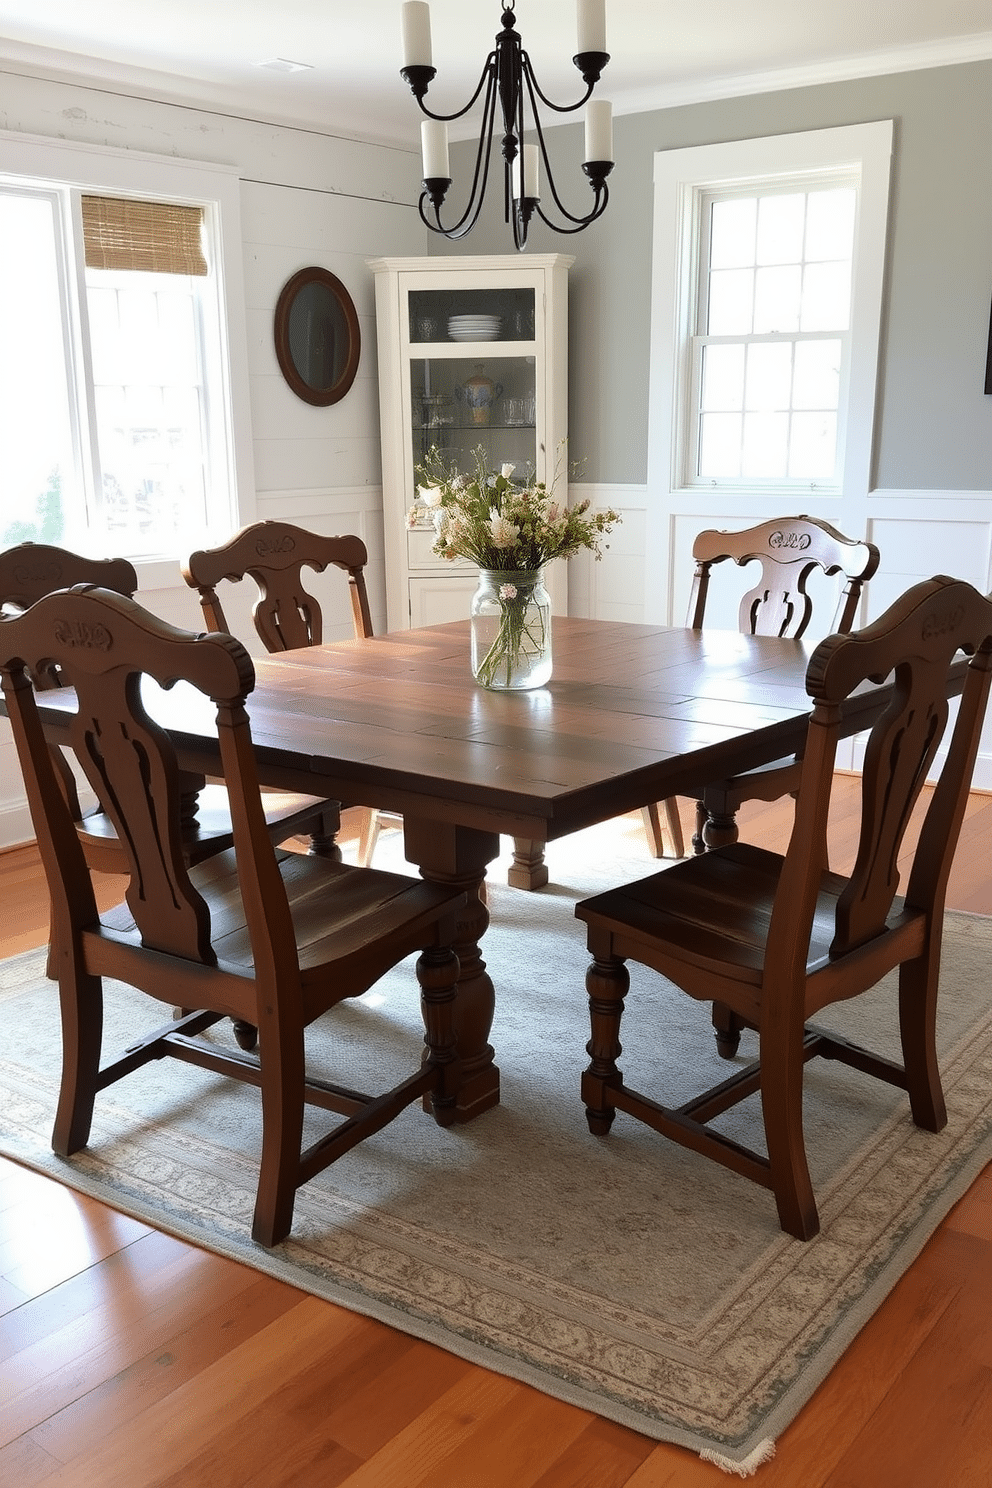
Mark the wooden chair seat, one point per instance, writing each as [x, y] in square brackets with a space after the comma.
[272, 939]
[772, 939]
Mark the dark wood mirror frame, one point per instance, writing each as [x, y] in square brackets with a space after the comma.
[318, 341]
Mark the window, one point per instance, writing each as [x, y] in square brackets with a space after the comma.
[117, 414]
[773, 332]
[767, 302]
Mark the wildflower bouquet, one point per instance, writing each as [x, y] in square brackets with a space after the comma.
[501, 524]
[511, 530]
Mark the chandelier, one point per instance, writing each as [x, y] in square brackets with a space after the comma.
[508, 80]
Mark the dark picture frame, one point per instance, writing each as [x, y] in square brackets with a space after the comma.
[317, 337]
[988, 359]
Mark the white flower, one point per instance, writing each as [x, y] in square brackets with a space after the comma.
[507, 591]
[506, 471]
[430, 495]
[504, 533]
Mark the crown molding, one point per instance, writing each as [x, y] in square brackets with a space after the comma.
[916, 58]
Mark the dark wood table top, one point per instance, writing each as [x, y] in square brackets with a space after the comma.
[632, 713]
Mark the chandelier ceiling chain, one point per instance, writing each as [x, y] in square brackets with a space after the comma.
[508, 80]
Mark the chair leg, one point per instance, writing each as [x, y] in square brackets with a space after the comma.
[323, 840]
[368, 837]
[607, 983]
[655, 832]
[437, 972]
[917, 1030]
[283, 1078]
[727, 1029]
[81, 999]
[782, 1067]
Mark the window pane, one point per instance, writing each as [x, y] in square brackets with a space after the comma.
[732, 233]
[826, 297]
[780, 229]
[812, 451]
[730, 302]
[723, 377]
[719, 444]
[830, 224]
[817, 374]
[37, 465]
[766, 445]
[769, 376]
[149, 406]
[777, 294]
[778, 276]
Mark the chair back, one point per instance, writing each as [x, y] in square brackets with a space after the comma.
[31, 570]
[103, 644]
[789, 549]
[285, 614]
[925, 634]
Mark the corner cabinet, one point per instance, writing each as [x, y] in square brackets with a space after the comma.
[472, 351]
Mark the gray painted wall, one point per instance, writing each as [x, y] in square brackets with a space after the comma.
[934, 429]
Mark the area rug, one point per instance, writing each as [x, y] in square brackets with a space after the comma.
[623, 1274]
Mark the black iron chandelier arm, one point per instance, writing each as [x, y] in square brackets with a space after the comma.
[600, 188]
[488, 75]
[535, 87]
[599, 207]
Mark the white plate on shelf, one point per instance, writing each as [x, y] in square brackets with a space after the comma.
[474, 327]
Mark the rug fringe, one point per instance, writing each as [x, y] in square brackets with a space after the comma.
[763, 1452]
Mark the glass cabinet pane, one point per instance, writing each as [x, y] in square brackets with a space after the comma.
[471, 315]
[460, 403]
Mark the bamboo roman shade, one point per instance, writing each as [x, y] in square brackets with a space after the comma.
[154, 237]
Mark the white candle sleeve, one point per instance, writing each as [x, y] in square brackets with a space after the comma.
[416, 34]
[599, 130]
[527, 161]
[591, 25]
[434, 142]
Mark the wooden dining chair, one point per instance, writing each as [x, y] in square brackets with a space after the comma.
[266, 936]
[29, 572]
[789, 550]
[286, 615]
[777, 938]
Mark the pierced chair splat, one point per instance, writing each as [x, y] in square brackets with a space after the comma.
[789, 550]
[286, 615]
[775, 939]
[268, 937]
[31, 571]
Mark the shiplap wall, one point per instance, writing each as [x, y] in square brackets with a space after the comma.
[306, 198]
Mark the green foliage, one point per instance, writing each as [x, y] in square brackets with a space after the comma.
[49, 523]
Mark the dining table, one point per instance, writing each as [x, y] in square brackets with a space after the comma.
[632, 714]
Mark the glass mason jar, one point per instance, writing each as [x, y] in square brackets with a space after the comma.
[511, 629]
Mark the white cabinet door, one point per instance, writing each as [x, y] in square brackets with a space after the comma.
[440, 598]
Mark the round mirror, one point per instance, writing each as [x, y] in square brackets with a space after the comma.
[317, 337]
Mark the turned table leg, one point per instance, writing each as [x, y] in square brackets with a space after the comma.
[528, 869]
[457, 857]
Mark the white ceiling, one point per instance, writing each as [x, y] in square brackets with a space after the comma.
[661, 52]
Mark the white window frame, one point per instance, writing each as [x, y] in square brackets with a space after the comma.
[45, 164]
[680, 179]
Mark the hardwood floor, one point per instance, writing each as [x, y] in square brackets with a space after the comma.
[132, 1359]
